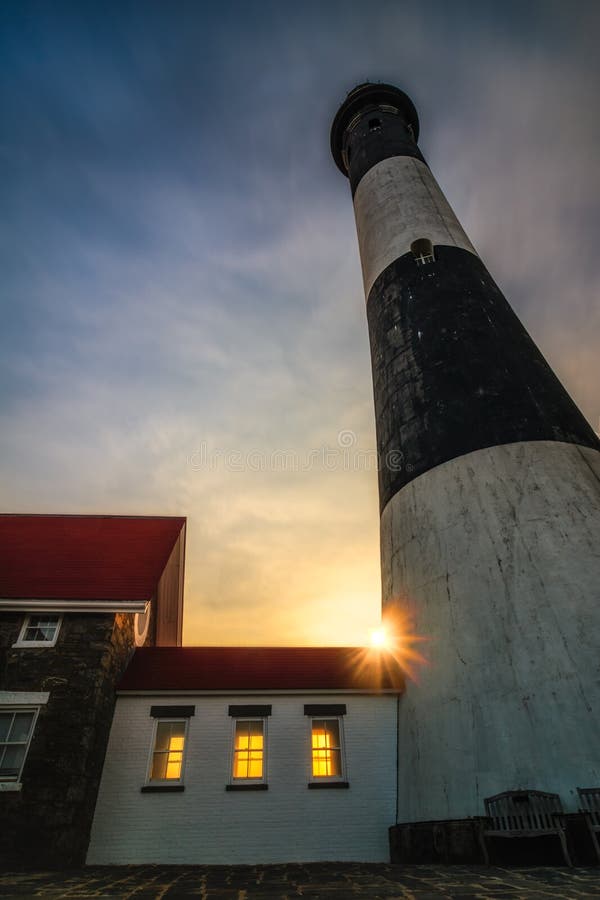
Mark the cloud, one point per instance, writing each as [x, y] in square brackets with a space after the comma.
[181, 267]
[526, 180]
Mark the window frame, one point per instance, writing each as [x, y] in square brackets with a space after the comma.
[166, 783]
[15, 784]
[24, 644]
[237, 783]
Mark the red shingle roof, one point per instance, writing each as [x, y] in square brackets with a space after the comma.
[261, 669]
[84, 557]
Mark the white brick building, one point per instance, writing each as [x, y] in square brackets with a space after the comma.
[250, 755]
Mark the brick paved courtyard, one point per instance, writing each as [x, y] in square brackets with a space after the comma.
[318, 881]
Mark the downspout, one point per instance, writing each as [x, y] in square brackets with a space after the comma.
[397, 751]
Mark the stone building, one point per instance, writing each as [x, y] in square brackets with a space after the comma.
[77, 594]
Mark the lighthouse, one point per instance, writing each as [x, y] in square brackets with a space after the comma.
[489, 486]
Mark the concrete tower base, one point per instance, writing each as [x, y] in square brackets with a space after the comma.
[495, 557]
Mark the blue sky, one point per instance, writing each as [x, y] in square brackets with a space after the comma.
[180, 279]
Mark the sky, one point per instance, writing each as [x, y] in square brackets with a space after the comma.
[183, 328]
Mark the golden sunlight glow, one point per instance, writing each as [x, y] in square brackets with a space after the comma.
[334, 600]
[394, 641]
[379, 638]
[248, 750]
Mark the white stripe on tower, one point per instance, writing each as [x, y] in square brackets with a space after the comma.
[397, 202]
[489, 484]
[494, 556]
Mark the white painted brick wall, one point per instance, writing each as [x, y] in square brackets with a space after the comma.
[287, 823]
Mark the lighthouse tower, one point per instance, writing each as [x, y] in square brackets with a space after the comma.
[489, 485]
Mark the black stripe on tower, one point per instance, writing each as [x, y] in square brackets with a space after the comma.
[454, 370]
[375, 121]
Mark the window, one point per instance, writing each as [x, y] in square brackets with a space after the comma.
[326, 748]
[39, 630]
[166, 763]
[249, 749]
[327, 763]
[167, 753]
[18, 715]
[249, 756]
[16, 728]
[422, 250]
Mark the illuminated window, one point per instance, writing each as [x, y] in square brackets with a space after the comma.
[249, 749]
[39, 630]
[166, 764]
[327, 759]
[326, 748]
[167, 752]
[16, 728]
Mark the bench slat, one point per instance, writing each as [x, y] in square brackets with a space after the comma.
[590, 803]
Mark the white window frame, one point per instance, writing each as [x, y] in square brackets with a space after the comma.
[22, 643]
[15, 702]
[424, 259]
[327, 779]
[167, 781]
[249, 781]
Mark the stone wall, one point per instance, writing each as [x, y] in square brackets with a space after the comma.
[47, 822]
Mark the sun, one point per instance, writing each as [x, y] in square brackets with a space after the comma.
[379, 638]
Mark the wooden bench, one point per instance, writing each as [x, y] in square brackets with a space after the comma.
[520, 814]
[589, 799]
